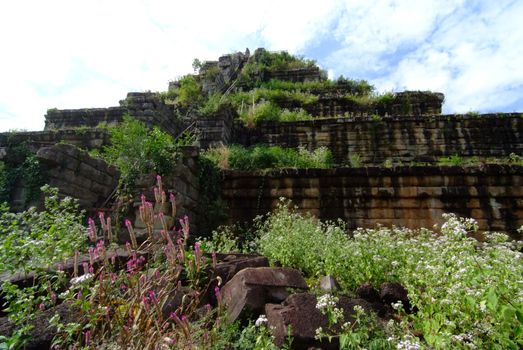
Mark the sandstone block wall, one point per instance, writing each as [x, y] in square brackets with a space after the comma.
[85, 117]
[144, 106]
[407, 103]
[298, 75]
[399, 139]
[363, 197]
[215, 130]
[83, 138]
[76, 174]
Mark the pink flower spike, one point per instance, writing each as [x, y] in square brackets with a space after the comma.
[41, 306]
[171, 197]
[217, 292]
[158, 179]
[184, 318]
[87, 336]
[208, 307]
[128, 223]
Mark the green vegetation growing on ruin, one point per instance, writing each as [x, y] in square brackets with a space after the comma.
[260, 157]
[21, 167]
[464, 293]
[136, 150]
[256, 97]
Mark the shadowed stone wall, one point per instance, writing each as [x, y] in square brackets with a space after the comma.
[78, 175]
[400, 139]
[83, 138]
[144, 106]
[217, 129]
[412, 197]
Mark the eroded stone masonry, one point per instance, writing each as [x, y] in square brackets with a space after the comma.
[396, 145]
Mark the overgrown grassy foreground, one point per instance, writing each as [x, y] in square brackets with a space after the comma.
[466, 294]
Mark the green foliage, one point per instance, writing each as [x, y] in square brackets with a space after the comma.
[268, 157]
[261, 112]
[515, 159]
[21, 167]
[282, 60]
[213, 104]
[474, 114]
[210, 196]
[294, 115]
[453, 160]
[465, 292]
[355, 160]
[32, 240]
[169, 96]
[4, 183]
[135, 150]
[231, 238]
[276, 96]
[196, 65]
[188, 92]
[363, 332]
[355, 87]
[375, 118]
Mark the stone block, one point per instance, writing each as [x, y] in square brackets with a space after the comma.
[251, 288]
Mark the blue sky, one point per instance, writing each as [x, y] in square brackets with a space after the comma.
[73, 54]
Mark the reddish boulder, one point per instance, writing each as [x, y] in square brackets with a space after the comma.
[251, 288]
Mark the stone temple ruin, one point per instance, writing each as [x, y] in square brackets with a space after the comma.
[396, 144]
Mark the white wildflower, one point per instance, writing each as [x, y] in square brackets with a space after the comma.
[261, 321]
[81, 279]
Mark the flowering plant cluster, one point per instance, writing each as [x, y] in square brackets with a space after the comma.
[466, 293]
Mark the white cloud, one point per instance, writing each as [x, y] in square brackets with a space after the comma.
[470, 51]
[72, 54]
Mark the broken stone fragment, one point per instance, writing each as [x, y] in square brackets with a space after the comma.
[299, 316]
[251, 288]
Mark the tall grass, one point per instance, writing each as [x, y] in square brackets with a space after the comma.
[268, 157]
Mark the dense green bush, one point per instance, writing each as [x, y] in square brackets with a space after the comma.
[136, 150]
[213, 104]
[467, 294]
[261, 112]
[268, 157]
[32, 240]
[189, 92]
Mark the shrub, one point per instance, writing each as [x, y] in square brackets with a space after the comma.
[213, 104]
[264, 111]
[135, 150]
[188, 92]
[32, 240]
[467, 294]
